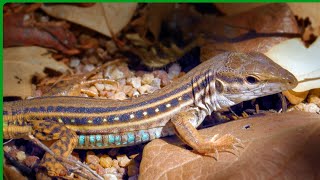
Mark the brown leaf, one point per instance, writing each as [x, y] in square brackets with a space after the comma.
[106, 18]
[271, 24]
[308, 10]
[276, 146]
[21, 64]
[22, 30]
[235, 8]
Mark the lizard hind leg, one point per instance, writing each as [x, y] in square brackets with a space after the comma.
[66, 141]
[189, 134]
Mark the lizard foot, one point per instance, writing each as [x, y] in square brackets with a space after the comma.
[226, 143]
[54, 168]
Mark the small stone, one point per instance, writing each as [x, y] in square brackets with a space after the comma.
[88, 68]
[111, 47]
[133, 169]
[108, 94]
[156, 82]
[44, 18]
[100, 170]
[140, 73]
[144, 89]
[115, 163]
[314, 97]
[126, 89]
[174, 71]
[133, 93]
[92, 91]
[106, 161]
[109, 87]
[124, 68]
[111, 170]
[110, 177]
[13, 152]
[122, 82]
[120, 96]
[163, 76]
[6, 149]
[100, 87]
[74, 62]
[31, 161]
[114, 73]
[92, 158]
[310, 107]
[122, 171]
[123, 160]
[93, 59]
[147, 78]
[21, 156]
[135, 82]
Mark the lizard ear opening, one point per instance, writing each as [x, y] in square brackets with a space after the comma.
[219, 86]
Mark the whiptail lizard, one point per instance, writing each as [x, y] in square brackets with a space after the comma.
[88, 123]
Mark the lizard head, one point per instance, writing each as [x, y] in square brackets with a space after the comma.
[245, 76]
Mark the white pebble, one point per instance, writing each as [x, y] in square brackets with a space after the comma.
[111, 170]
[122, 82]
[135, 93]
[147, 78]
[99, 86]
[123, 160]
[120, 96]
[117, 74]
[109, 87]
[135, 82]
[310, 107]
[93, 89]
[156, 82]
[88, 68]
[21, 155]
[6, 148]
[144, 89]
[110, 177]
[174, 70]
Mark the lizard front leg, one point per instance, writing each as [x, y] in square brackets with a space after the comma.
[66, 142]
[189, 134]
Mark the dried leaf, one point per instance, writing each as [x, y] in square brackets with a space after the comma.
[310, 10]
[300, 61]
[235, 8]
[23, 30]
[21, 64]
[106, 18]
[276, 146]
[272, 24]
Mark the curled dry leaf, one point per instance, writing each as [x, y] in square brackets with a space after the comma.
[106, 18]
[272, 24]
[23, 30]
[276, 146]
[21, 64]
[301, 61]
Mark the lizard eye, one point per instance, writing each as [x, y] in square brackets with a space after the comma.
[252, 79]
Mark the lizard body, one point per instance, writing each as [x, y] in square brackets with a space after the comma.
[88, 123]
